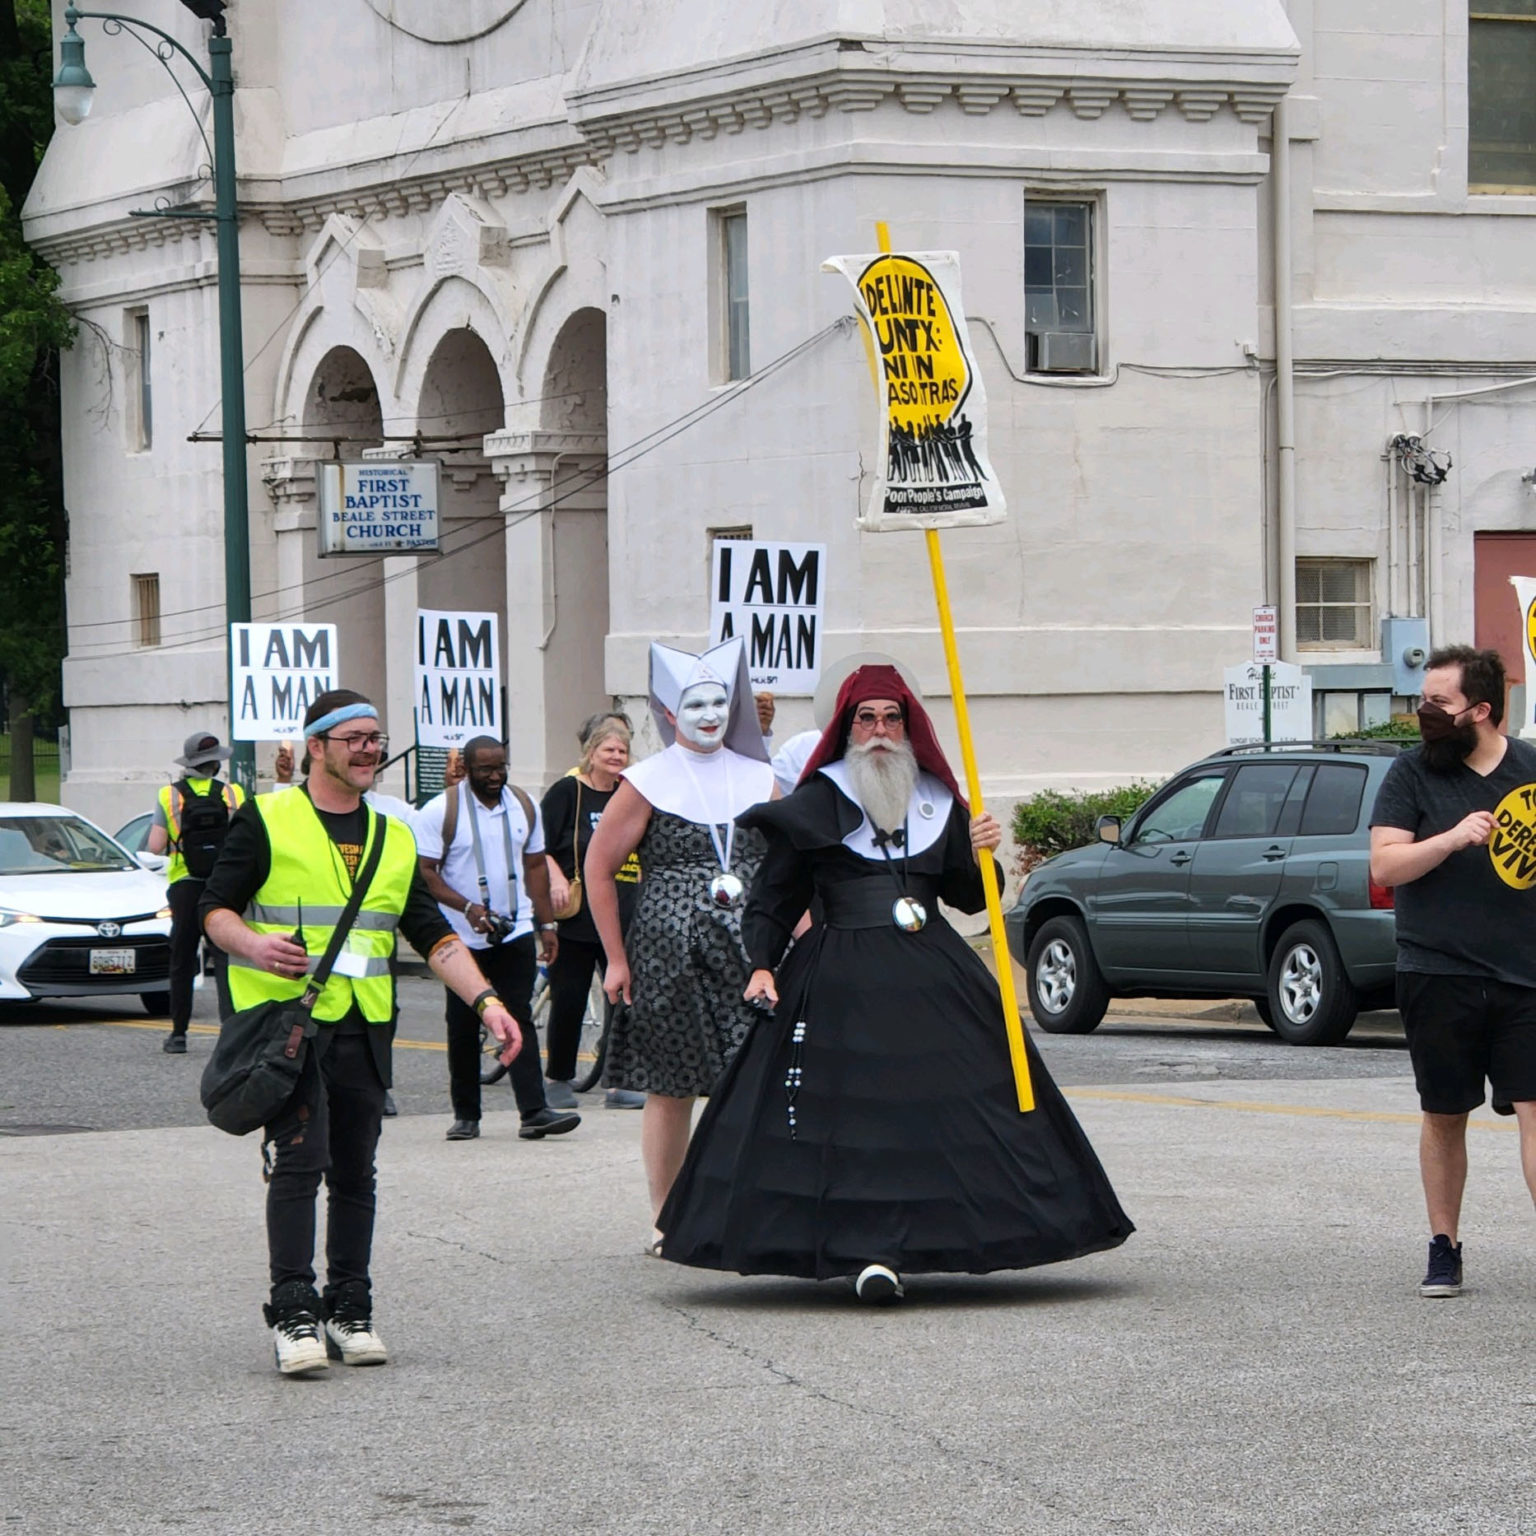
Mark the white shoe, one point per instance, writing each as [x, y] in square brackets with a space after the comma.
[299, 1348]
[353, 1341]
[878, 1283]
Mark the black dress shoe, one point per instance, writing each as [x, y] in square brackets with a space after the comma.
[463, 1130]
[389, 1105]
[174, 1044]
[547, 1122]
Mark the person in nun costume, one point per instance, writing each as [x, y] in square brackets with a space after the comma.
[681, 970]
[871, 1128]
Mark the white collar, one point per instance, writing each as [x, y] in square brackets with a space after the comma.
[927, 813]
[706, 787]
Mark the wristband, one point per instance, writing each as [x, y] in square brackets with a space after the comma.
[484, 1001]
[548, 927]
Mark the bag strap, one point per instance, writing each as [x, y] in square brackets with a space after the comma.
[450, 818]
[322, 972]
[576, 836]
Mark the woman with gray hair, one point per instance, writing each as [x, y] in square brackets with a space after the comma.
[571, 808]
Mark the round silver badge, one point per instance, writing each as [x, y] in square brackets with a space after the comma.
[925, 810]
[725, 889]
[908, 915]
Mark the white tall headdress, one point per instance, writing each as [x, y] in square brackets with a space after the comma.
[674, 672]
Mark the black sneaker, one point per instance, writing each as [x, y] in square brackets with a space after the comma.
[547, 1122]
[174, 1044]
[1444, 1274]
[294, 1317]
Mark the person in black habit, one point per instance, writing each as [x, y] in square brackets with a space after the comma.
[870, 1127]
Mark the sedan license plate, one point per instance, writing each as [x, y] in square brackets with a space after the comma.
[113, 962]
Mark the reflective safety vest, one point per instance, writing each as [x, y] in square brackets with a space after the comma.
[306, 891]
[170, 808]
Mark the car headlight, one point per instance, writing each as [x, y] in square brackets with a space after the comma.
[7, 919]
[164, 912]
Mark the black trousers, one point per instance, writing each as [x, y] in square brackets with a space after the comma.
[329, 1129]
[183, 898]
[570, 982]
[510, 968]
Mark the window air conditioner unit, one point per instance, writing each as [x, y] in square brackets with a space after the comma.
[1067, 352]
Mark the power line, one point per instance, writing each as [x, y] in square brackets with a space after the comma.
[632, 453]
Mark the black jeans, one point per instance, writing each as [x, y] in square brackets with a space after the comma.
[511, 968]
[186, 930]
[570, 982]
[329, 1127]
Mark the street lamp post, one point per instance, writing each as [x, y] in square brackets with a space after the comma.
[73, 90]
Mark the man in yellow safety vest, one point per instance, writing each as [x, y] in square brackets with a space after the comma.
[271, 903]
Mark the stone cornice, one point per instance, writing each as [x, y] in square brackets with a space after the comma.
[612, 125]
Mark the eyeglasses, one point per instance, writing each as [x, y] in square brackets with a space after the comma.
[373, 742]
[867, 719]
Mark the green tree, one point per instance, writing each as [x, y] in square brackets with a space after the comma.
[34, 326]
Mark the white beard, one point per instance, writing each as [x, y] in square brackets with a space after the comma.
[884, 774]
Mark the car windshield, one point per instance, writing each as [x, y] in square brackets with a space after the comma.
[50, 845]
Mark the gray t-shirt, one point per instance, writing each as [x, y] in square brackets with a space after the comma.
[1475, 913]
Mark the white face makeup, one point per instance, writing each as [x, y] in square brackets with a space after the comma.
[702, 713]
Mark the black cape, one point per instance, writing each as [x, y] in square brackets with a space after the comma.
[906, 1146]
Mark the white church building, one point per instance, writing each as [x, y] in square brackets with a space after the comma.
[572, 249]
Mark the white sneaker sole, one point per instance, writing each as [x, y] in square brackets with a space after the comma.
[877, 1283]
[310, 1363]
[1439, 1291]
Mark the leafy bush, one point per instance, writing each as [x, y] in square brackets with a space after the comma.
[1055, 820]
[1403, 728]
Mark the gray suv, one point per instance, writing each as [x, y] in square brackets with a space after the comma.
[1246, 875]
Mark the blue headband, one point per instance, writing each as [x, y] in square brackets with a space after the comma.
[363, 711]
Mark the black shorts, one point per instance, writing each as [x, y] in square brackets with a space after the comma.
[1465, 1029]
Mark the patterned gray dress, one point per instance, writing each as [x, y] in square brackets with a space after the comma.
[686, 963]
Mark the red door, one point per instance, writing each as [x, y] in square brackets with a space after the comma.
[1497, 620]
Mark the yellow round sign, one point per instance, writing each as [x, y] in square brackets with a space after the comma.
[927, 376]
[1512, 847]
[1530, 630]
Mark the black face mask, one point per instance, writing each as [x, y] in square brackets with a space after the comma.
[1446, 744]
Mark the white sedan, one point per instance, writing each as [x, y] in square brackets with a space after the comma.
[78, 916]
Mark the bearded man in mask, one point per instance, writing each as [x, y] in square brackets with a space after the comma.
[870, 1127]
[1453, 830]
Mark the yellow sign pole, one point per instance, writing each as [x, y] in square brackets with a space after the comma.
[1011, 1023]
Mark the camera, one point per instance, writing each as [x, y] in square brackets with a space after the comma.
[500, 926]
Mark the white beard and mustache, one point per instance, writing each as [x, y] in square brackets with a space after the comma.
[884, 774]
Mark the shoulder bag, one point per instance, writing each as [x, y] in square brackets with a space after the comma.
[260, 1053]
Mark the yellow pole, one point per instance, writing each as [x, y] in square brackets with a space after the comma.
[1010, 1000]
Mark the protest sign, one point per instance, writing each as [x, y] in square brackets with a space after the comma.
[458, 677]
[771, 595]
[932, 468]
[279, 669]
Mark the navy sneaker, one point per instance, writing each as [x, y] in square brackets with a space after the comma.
[1444, 1275]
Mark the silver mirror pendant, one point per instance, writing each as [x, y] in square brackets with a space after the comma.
[909, 915]
[725, 890]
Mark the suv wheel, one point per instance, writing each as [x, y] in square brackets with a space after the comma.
[1311, 1000]
[1067, 993]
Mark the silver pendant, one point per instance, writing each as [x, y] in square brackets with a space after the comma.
[725, 889]
[909, 915]
[925, 810]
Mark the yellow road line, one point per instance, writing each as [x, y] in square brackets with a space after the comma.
[1306, 1111]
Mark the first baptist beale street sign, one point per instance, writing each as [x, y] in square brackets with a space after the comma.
[386, 507]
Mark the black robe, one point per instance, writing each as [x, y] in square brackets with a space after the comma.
[890, 1133]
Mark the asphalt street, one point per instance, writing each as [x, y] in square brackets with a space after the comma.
[1254, 1359]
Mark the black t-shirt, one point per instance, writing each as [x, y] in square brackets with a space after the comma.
[566, 841]
[1475, 913]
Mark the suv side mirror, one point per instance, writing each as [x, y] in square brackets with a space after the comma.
[1108, 829]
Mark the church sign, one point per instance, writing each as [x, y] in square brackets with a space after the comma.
[932, 469]
[771, 595]
[384, 507]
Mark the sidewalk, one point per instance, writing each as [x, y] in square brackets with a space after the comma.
[1255, 1359]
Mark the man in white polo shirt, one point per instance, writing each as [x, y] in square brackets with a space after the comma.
[481, 850]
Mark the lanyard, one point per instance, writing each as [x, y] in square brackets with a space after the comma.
[724, 845]
[506, 840]
[883, 841]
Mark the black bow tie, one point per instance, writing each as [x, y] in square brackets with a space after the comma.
[897, 839]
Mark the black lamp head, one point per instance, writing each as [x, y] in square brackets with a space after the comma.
[209, 10]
